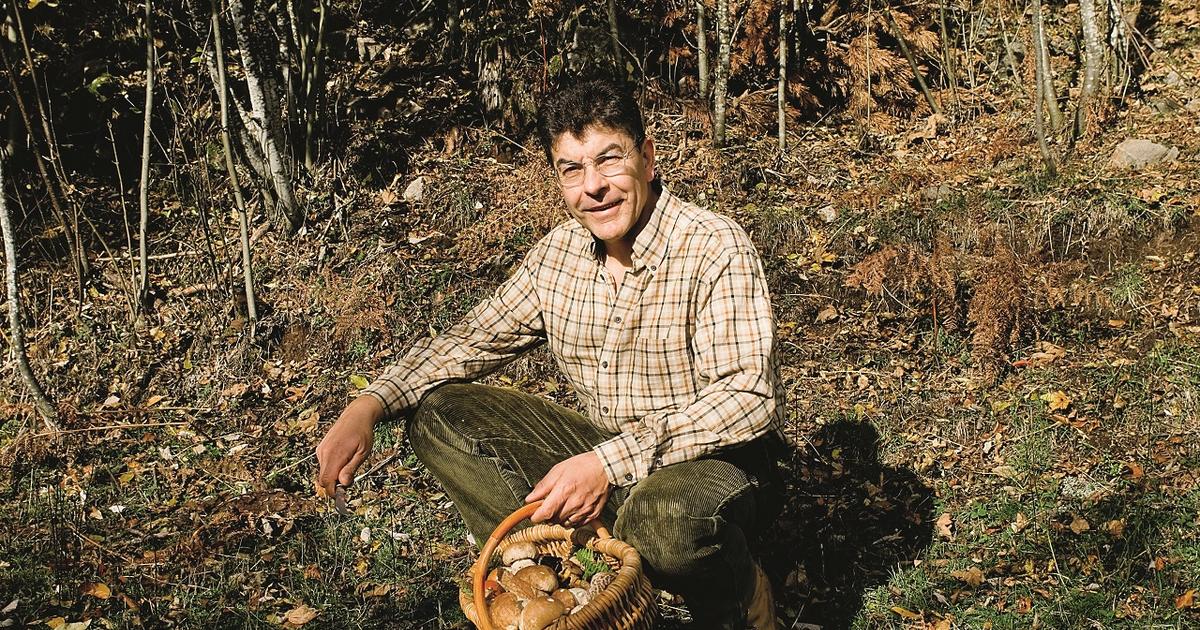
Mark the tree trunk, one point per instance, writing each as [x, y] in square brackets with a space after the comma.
[781, 95]
[702, 48]
[243, 220]
[721, 88]
[1040, 87]
[614, 33]
[1093, 59]
[1118, 42]
[912, 62]
[1045, 73]
[267, 125]
[49, 415]
[948, 56]
[143, 287]
[54, 187]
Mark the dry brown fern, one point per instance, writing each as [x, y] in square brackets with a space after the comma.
[999, 312]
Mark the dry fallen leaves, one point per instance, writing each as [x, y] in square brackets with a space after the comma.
[972, 576]
[1187, 600]
[98, 590]
[1058, 400]
[943, 525]
[300, 615]
[1080, 525]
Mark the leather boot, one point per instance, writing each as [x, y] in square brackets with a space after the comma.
[760, 610]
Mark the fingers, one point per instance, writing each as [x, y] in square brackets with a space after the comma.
[346, 476]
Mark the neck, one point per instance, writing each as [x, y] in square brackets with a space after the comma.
[621, 250]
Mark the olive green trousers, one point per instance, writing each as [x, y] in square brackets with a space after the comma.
[692, 522]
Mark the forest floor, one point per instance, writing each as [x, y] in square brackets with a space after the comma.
[1047, 476]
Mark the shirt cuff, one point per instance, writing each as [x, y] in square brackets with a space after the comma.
[392, 396]
[623, 460]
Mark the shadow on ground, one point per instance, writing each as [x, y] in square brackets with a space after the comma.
[847, 522]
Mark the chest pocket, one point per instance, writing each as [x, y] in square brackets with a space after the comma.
[662, 374]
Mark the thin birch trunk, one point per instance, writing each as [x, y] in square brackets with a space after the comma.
[243, 220]
[948, 56]
[143, 286]
[267, 127]
[720, 91]
[702, 48]
[912, 63]
[314, 80]
[1040, 99]
[781, 96]
[1118, 42]
[40, 401]
[54, 189]
[614, 34]
[1093, 59]
[1046, 74]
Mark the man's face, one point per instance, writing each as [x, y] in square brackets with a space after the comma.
[605, 179]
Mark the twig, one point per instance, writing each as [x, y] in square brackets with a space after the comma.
[111, 427]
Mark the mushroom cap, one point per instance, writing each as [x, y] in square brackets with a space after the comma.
[519, 551]
[542, 578]
[600, 581]
[540, 613]
[505, 610]
[581, 596]
[564, 597]
[521, 564]
[518, 585]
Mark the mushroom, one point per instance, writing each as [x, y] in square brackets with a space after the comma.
[540, 613]
[539, 577]
[519, 551]
[520, 564]
[518, 586]
[571, 572]
[600, 581]
[505, 610]
[564, 597]
[582, 597]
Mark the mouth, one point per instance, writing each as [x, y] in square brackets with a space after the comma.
[603, 207]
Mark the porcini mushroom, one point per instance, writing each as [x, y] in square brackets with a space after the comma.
[564, 597]
[542, 578]
[519, 551]
[505, 610]
[540, 613]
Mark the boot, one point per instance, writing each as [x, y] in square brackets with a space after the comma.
[760, 610]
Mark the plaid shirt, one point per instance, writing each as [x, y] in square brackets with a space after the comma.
[678, 362]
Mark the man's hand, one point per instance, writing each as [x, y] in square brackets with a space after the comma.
[347, 444]
[573, 492]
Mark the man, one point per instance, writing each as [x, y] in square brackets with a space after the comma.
[658, 313]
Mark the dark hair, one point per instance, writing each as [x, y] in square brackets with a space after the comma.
[600, 102]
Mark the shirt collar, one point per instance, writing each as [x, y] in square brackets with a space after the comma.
[650, 246]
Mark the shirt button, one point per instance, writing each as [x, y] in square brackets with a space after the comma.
[617, 319]
[653, 268]
[604, 364]
[628, 476]
[604, 410]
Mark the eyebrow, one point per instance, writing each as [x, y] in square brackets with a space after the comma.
[615, 145]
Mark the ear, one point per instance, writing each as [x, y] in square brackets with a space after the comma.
[648, 156]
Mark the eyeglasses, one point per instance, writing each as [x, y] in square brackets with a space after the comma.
[572, 174]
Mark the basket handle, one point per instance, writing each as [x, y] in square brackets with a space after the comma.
[489, 548]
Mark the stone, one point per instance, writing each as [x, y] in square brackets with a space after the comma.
[415, 191]
[936, 193]
[828, 214]
[1138, 153]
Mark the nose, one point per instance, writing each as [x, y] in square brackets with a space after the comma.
[594, 184]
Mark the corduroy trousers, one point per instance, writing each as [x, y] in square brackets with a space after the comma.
[692, 522]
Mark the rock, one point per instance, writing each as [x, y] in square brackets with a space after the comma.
[1138, 153]
[936, 193]
[828, 214]
[415, 190]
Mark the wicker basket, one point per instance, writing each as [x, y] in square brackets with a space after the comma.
[626, 604]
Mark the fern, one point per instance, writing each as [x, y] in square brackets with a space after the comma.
[591, 563]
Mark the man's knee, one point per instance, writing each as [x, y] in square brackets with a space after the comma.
[683, 516]
[431, 426]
